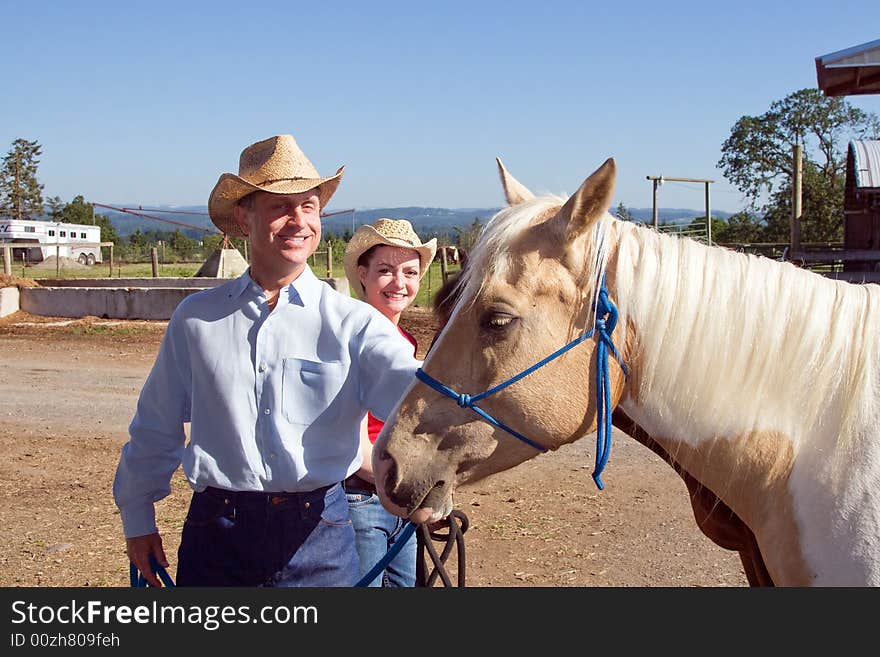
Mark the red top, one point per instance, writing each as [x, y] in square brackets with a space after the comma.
[374, 425]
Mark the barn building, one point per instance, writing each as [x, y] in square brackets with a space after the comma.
[861, 224]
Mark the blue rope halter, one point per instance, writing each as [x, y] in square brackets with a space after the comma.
[606, 320]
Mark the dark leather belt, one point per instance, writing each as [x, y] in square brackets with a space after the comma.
[355, 483]
[248, 497]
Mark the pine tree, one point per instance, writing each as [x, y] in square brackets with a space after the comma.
[21, 194]
[55, 206]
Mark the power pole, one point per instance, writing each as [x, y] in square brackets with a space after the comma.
[796, 198]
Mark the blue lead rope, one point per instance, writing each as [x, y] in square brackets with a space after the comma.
[606, 321]
[402, 538]
[139, 581]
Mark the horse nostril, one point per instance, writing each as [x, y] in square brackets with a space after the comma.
[391, 476]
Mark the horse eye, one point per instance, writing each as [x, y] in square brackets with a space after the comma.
[497, 321]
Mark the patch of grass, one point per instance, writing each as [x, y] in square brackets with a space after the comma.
[121, 330]
[121, 270]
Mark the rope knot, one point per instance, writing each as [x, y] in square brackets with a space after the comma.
[464, 400]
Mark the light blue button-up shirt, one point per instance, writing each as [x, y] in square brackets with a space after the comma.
[275, 398]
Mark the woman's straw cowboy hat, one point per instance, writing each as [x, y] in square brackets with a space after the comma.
[275, 165]
[387, 232]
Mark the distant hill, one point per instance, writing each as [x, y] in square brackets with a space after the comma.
[428, 222]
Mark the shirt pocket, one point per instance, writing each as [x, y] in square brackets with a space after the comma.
[308, 388]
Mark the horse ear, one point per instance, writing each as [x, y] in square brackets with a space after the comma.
[514, 191]
[590, 202]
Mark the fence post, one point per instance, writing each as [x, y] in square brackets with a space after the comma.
[329, 260]
[443, 267]
[57, 261]
[7, 260]
[154, 260]
[708, 216]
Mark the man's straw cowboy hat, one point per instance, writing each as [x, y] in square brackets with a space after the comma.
[387, 232]
[275, 165]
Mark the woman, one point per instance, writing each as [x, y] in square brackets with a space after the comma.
[384, 264]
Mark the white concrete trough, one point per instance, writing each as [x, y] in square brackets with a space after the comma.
[9, 300]
[120, 298]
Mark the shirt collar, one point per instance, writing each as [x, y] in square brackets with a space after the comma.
[240, 284]
[306, 287]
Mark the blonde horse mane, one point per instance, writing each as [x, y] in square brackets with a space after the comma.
[768, 346]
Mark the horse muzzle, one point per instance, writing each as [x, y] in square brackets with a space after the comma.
[421, 498]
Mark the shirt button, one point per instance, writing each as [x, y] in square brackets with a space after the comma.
[262, 367]
[267, 411]
[308, 504]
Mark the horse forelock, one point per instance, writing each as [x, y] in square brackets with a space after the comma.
[493, 254]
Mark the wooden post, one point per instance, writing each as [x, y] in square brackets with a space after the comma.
[57, 261]
[708, 217]
[443, 268]
[111, 261]
[7, 260]
[658, 180]
[154, 260]
[329, 260]
[796, 198]
[430, 267]
[654, 214]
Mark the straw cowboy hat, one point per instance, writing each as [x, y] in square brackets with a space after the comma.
[275, 165]
[387, 232]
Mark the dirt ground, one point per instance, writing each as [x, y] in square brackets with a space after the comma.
[69, 389]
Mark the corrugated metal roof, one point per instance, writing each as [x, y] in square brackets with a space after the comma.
[866, 162]
[852, 71]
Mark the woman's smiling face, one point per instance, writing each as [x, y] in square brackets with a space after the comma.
[391, 279]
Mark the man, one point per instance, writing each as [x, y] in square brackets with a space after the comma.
[274, 371]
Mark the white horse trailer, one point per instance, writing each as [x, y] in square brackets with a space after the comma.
[34, 241]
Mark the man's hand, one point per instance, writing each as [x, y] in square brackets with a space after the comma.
[139, 549]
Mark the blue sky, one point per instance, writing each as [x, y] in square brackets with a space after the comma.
[150, 102]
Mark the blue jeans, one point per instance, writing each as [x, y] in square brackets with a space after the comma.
[376, 530]
[268, 539]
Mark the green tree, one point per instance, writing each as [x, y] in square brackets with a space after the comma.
[21, 194]
[78, 211]
[55, 206]
[757, 159]
[739, 228]
[466, 237]
[211, 243]
[624, 214]
[181, 245]
[108, 231]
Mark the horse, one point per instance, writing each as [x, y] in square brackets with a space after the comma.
[713, 517]
[755, 379]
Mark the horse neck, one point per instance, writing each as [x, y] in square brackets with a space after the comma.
[720, 342]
